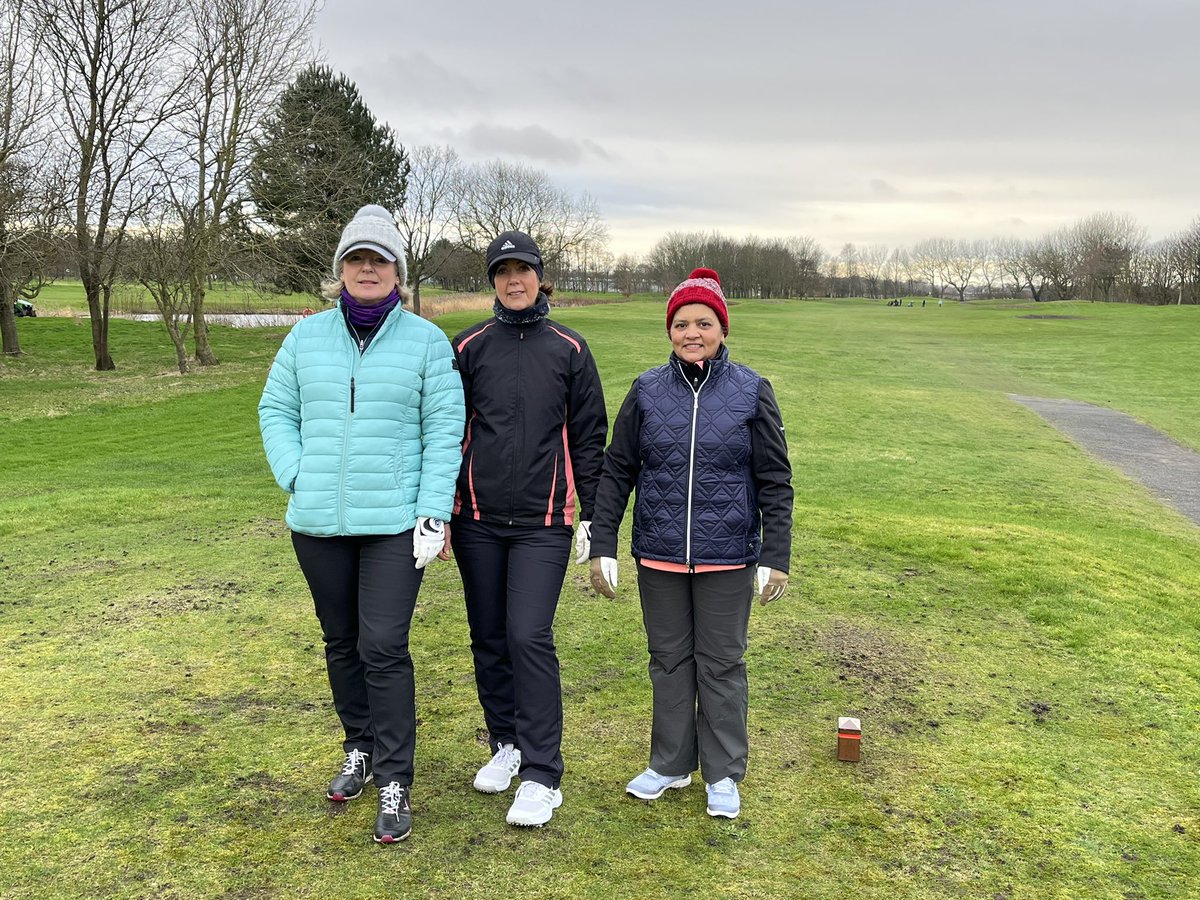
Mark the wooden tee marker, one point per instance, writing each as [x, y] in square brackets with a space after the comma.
[849, 739]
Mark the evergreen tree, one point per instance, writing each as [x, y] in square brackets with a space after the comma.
[321, 156]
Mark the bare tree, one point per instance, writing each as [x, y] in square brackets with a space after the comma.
[1152, 276]
[848, 267]
[987, 254]
[924, 261]
[245, 53]
[1107, 244]
[28, 203]
[957, 263]
[113, 65]
[897, 272]
[674, 256]
[1056, 260]
[159, 258]
[499, 196]
[1183, 255]
[1010, 257]
[809, 259]
[625, 274]
[873, 259]
[427, 215]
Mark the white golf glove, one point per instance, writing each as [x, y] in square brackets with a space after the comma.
[771, 583]
[428, 539]
[604, 575]
[583, 542]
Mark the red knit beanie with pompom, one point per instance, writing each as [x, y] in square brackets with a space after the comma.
[702, 286]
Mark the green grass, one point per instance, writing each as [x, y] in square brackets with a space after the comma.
[1015, 624]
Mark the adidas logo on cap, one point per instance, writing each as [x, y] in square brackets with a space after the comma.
[508, 245]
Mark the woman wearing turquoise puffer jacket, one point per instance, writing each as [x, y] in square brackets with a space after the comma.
[362, 423]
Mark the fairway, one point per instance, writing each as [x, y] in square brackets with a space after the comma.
[1015, 624]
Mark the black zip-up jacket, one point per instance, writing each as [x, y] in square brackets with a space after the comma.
[536, 424]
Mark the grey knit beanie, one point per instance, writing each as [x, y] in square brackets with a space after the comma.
[373, 228]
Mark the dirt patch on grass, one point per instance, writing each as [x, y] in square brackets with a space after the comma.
[197, 596]
[882, 670]
[869, 657]
[1040, 709]
[592, 684]
[247, 706]
[264, 527]
[259, 793]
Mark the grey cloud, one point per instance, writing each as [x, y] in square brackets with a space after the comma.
[415, 80]
[598, 151]
[530, 142]
[882, 190]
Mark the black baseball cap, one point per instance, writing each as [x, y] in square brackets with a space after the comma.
[513, 245]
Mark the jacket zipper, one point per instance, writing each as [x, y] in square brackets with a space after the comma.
[346, 445]
[692, 463]
[512, 485]
[358, 347]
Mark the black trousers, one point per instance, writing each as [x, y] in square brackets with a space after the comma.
[696, 631]
[364, 590]
[512, 576]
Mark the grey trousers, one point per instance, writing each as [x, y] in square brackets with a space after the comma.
[696, 629]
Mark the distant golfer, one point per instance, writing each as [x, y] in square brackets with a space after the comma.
[362, 418]
[536, 426]
[701, 439]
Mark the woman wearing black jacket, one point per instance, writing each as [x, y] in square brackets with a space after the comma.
[701, 439]
[534, 445]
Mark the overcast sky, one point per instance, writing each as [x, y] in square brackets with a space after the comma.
[872, 121]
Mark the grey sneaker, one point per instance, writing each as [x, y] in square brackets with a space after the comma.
[498, 774]
[650, 785]
[723, 799]
[534, 804]
[356, 772]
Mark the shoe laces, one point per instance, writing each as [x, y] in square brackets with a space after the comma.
[504, 757]
[724, 786]
[355, 760]
[533, 791]
[391, 795]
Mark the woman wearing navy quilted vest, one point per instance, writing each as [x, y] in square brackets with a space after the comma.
[534, 445]
[362, 421]
[701, 440]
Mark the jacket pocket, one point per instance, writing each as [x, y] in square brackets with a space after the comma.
[398, 467]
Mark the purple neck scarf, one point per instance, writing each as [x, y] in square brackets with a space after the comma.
[363, 316]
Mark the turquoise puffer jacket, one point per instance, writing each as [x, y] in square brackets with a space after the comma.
[364, 442]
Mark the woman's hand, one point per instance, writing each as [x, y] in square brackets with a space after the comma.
[445, 554]
[604, 576]
[771, 584]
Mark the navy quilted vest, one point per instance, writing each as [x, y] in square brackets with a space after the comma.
[696, 501]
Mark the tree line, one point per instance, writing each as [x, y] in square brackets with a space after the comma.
[1104, 256]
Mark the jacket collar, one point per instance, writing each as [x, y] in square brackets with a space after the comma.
[526, 317]
[711, 369]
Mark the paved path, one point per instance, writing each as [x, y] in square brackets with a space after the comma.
[1170, 470]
